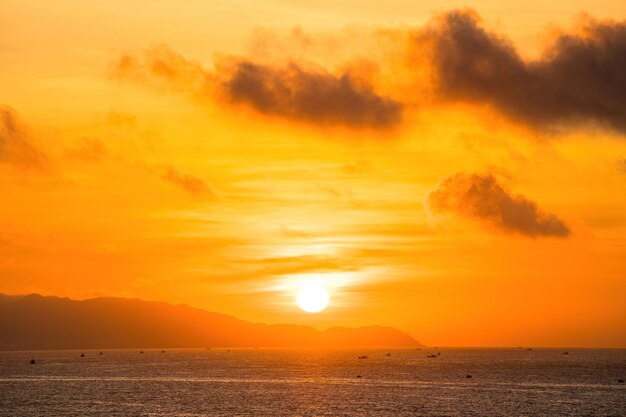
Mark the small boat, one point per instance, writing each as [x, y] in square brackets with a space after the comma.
[82, 355]
[620, 381]
[431, 356]
[565, 353]
[162, 351]
[363, 357]
[141, 351]
[358, 376]
[388, 354]
[32, 361]
[438, 353]
[468, 376]
[101, 353]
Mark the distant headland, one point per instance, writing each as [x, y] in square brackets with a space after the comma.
[33, 322]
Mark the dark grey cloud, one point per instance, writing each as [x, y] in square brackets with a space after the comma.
[16, 145]
[580, 78]
[483, 198]
[311, 96]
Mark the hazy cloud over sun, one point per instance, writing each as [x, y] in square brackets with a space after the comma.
[580, 78]
[484, 198]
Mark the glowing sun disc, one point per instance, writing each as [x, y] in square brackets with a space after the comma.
[312, 297]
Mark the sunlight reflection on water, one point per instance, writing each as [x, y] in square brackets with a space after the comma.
[273, 382]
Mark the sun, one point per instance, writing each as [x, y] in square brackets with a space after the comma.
[312, 296]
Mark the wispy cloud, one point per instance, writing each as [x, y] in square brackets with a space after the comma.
[187, 182]
[88, 150]
[484, 198]
[162, 68]
[17, 147]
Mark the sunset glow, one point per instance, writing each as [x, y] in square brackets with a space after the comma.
[456, 173]
[312, 297]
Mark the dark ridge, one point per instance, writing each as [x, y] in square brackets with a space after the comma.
[37, 322]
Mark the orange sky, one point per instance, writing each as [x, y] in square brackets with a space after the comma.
[220, 153]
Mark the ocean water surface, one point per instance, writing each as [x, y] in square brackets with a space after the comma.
[314, 382]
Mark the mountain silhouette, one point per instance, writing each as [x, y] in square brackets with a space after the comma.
[36, 322]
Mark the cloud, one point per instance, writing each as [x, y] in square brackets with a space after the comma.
[357, 168]
[161, 68]
[17, 148]
[88, 150]
[291, 265]
[482, 197]
[292, 232]
[189, 183]
[312, 96]
[580, 78]
[293, 92]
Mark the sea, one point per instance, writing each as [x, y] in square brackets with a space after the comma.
[314, 382]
